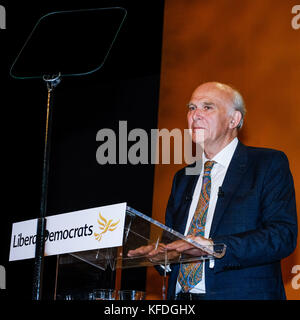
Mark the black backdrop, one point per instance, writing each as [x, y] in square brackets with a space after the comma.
[126, 88]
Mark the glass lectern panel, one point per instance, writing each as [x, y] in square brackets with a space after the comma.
[143, 236]
[141, 231]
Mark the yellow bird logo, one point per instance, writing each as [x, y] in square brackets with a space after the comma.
[105, 226]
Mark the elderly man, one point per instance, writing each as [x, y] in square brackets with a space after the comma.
[244, 198]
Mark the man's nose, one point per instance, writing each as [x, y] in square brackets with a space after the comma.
[198, 114]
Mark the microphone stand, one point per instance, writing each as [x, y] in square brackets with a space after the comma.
[52, 82]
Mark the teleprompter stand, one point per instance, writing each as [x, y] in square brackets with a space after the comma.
[51, 82]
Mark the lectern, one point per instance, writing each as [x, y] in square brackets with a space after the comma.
[139, 231]
[95, 239]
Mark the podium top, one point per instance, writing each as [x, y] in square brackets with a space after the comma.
[107, 236]
[142, 231]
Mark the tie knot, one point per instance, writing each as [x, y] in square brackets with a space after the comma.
[208, 165]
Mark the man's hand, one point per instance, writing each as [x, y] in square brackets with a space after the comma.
[173, 249]
[182, 246]
[154, 254]
[148, 251]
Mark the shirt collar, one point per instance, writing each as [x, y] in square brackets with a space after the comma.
[224, 156]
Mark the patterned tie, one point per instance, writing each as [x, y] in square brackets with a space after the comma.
[191, 273]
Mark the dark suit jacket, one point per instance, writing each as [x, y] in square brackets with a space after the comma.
[256, 219]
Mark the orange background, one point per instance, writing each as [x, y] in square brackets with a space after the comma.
[251, 45]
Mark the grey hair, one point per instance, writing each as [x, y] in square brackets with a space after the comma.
[239, 105]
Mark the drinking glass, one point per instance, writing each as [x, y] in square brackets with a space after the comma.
[104, 294]
[131, 295]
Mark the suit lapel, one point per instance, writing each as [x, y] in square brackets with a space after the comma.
[232, 179]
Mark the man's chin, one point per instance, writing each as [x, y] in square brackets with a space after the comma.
[199, 139]
[198, 136]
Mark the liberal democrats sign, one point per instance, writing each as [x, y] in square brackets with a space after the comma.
[82, 230]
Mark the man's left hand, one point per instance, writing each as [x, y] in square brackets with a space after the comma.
[185, 247]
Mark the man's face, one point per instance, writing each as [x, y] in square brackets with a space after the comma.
[209, 114]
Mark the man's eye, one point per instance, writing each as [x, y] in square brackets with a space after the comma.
[207, 107]
[192, 107]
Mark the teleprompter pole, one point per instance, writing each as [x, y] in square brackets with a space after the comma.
[52, 82]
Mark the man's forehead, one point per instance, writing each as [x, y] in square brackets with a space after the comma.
[212, 92]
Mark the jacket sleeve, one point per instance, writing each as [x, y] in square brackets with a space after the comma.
[276, 237]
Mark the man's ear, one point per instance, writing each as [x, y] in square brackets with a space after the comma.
[236, 117]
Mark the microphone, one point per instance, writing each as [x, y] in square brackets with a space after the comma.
[221, 193]
[188, 197]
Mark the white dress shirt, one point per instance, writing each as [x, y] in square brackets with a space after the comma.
[218, 173]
